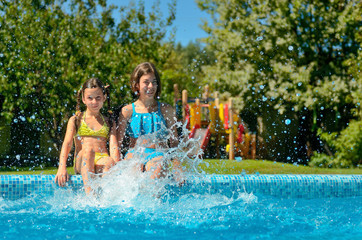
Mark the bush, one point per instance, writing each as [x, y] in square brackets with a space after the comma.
[347, 147]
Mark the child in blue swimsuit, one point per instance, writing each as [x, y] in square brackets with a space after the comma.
[147, 116]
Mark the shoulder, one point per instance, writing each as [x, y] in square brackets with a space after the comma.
[127, 111]
[167, 110]
[74, 118]
[166, 106]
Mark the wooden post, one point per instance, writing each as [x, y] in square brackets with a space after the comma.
[231, 135]
[205, 95]
[197, 101]
[184, 102]
[217, 117]
[217, 124]
[197, 112]
[253, 146]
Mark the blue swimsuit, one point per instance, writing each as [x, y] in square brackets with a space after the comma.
[146, 123]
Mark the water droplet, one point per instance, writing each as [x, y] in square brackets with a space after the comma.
[287, 121]
[290, 48]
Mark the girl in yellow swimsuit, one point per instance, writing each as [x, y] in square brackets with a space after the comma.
[90, 132]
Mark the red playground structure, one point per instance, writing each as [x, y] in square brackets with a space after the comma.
[207, 117]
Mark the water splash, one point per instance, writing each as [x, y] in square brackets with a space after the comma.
[128, 203]
[125, 187]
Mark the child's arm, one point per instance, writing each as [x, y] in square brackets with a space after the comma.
[124, 115]
[113, 143]
[170, 117]
[62, 175]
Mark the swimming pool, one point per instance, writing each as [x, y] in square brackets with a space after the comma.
[207, 207]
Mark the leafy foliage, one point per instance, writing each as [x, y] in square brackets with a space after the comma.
[284, 53]
[347, 147]
[291, 56]
[184, 68]
[48, 48]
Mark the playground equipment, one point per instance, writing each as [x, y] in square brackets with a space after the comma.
[208, 117]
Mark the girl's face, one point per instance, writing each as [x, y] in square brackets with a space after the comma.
[93, 98]
[148, 86]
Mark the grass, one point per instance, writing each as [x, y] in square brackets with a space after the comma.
[268, 167]
[35, 170]
[221, 167]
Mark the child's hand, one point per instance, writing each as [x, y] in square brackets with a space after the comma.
[62, 177]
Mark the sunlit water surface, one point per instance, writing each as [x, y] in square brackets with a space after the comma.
[131, 206]
[128, 205]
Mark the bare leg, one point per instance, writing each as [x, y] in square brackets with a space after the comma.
[176, 165]
[78, 162]
[104, 164]
[138, 167]
[157, 167]
[87, 167]
[128, 156]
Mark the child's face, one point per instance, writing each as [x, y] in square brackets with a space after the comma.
[148, 85]
[93, 98]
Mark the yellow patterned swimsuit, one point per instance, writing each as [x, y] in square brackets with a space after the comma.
[85, 131]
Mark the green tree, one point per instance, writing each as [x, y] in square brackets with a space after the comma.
[48, 48]
[46, 54]
[346, 145]
[355, 67]
[289, 56]
[184, 68]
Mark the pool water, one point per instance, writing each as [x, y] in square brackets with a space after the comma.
[126, 204]
[72, 215]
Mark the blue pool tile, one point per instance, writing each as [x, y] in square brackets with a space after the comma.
[286, 186]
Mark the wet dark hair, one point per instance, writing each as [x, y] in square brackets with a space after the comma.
[92, 83]
[138, 72]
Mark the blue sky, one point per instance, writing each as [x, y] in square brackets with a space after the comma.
[188, 18]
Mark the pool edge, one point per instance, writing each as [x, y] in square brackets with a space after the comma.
[280, 185]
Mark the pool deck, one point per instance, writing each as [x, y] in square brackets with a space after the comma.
[285, 186]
